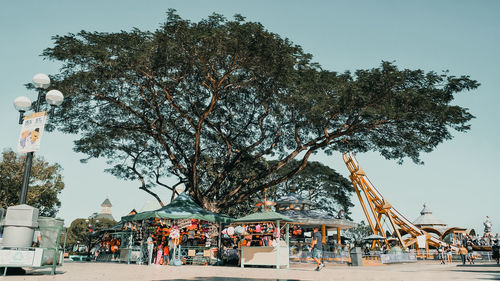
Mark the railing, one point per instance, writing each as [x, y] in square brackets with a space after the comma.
[479, 256]
[397, 258]
[330, 257]
[197, 255]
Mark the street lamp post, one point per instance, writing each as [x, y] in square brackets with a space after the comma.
[22, 104]
[90, 230]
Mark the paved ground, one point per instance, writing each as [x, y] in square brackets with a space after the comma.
[414, 271]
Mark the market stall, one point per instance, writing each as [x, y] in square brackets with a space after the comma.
[297, 208]
[183, 223]
[261, 239]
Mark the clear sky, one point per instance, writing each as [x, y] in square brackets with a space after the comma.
[459, 179]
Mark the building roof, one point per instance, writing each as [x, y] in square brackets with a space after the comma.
[428, 219]
[106, 203]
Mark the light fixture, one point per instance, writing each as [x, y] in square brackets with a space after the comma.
[22, 103]
[41, 81]
[54, 97]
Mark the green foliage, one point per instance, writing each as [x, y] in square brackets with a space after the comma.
[78, 231]
[358, 233]
[329, 191]
[209, 103]
[44, 187]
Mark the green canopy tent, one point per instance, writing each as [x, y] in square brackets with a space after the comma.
[182, 207]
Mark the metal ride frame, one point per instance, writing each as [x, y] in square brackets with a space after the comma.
[376, 207]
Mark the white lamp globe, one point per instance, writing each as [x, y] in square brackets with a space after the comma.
[22, 103]
[54, 97]
[41, 80]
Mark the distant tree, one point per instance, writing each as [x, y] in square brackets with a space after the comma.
[329, 191]
[79, 232]
[358, 233]
[209, 103]
[44, 187]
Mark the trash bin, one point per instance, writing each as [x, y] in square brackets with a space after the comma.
[356, 256]
[50, 230]
[19, 225]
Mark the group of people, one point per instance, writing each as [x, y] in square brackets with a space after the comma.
[159, 254]
[466, 252]
[445, 254]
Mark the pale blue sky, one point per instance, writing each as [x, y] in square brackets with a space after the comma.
[459, 179]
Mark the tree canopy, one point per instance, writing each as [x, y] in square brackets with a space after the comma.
[210, 103]
[78, 231]
[329, 191]
[45, 183]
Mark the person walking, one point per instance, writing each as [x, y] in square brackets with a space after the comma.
[441, 254]
[470, 251]
[463, 253]
[317, 248]
[449, 253]
[159, 255]
[496, 251]
[166, 253]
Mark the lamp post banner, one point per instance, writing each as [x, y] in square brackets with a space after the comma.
[31, 132]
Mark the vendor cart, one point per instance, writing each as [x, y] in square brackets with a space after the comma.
[275, 253]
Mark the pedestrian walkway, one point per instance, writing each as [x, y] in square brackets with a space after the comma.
[407, 272]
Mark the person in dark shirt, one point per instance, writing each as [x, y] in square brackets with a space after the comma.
[317, 248]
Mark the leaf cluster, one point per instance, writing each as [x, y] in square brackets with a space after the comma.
[44, 188]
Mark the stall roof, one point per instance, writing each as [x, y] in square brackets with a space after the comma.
[182, 207]
[293, 198]
[308, 217]
[264, 216]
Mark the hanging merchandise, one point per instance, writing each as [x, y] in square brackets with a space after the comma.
[239, 230]
[193, 225]
[174, 232]
[183, 223]
[230, 231]
[276, 233]
[224, 233]
[270, 228]
[258, 228]
[265, 240]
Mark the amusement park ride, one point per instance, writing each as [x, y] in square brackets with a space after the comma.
[375, 207]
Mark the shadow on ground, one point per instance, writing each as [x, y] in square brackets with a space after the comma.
[227, 279]
[480, 265]
[481, 268]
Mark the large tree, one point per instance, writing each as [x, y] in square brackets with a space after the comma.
[209, 103]
[45, 183]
